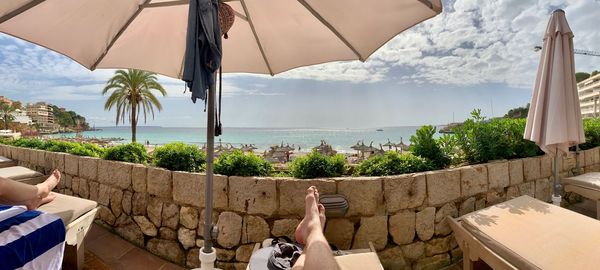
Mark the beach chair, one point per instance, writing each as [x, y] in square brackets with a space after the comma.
[77, 215]
[7, 162]
[355, 259]
[586, 185]
[22, 174]
[525, 233]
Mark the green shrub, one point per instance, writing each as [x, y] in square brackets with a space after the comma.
[393, 163]
[87, 149]
[484, 140]
[28, 143]
[242, 164]
[424, 145]
[316, 165]
[58, 146]
[591, 128]
[178, 156]
[133, 152]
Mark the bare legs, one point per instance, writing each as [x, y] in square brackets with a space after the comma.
[17, 193]
[317, 253]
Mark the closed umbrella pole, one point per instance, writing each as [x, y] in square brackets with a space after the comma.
[210, 156]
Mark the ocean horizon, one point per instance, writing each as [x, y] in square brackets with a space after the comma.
[341, 139]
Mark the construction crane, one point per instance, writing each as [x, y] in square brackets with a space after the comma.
[576, 51]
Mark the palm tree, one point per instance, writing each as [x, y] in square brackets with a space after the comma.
[6, 114]
[132, 95]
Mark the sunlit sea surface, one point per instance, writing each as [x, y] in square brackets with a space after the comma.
[262, 138]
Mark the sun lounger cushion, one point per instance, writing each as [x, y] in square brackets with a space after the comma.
[18, 173]
[588, 180]
[5, 159]
[68, 208]
[531, 234]
[359, 261]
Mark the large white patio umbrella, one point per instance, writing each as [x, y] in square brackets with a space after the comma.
[267, 37]
[554, 120]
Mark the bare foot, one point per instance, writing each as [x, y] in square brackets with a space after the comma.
[45, 187]
[322, 218]
[37, 202]
[311, 219]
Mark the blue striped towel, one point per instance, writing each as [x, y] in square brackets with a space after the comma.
[30, 239]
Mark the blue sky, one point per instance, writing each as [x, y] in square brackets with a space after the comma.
[476, 54]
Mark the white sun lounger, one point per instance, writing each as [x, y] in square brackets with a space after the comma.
[586, 185]
[525, 233]
[77, 213]
[22, 174]
[7, 162]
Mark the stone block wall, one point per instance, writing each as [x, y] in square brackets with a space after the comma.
[403, 216]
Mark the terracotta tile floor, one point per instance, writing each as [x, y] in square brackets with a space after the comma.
[117, 253]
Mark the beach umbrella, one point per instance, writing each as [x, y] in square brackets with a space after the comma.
[389, 144]
[267, 37]
[554, 120]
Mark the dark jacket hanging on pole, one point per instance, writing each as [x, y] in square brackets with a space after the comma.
[203, 47]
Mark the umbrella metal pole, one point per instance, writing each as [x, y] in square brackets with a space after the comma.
[556, 198]
[210, 154]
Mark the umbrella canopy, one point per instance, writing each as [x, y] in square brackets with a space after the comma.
[267, 37]
[554, 119]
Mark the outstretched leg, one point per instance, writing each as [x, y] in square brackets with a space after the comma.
[14, 192]
[317, 253]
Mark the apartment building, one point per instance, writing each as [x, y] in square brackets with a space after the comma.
[6, 100]
[589, 96]
[41, 114]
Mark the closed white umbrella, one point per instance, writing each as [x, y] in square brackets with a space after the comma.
[554, 120]
[267, 37]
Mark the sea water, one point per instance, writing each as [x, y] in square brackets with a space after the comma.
[262, 138]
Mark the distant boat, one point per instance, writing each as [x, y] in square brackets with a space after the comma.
[379, 129]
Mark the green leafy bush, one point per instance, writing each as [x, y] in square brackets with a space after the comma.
[133, 152]
[591, 128]
[87, 149]
[58, 146]
[242, 164]
[28, 143]
[484, 140]
[393, 163]
[178, 156]
[424, 145]
[448, 143]
[316, 165]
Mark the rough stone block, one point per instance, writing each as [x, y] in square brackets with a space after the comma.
[292, 193]
[515, 168]
[170, 215]
[435, 262]
[531, 168]
[84, 189]
[188, 188]
[225, 255]
[441, 224]
[546, 166]
[443, 186]
[467, 206]
[543, 189]
[339, 232]
[498, 174]
[106, 215]
[254, 229]
[392, 258]
[404, 191]
[138, 178]
[592, 156]
[527, 188]
[139, 201]
[130, 231]
[72, 164]
[192, 259]
[253, 195]
[41, 158]
[230, 229]
[159, 182]
[186, 237]
[58, 161]
[88, 168]
[188, 217]
[167, 233]
[116, 199]
[146, 226]
[372, 229]
[364, 195]
[413, 251]
[473, 180]
[568, 162]
[104, 194]
[74, 184]
[243, 253]
[287, 227]
[494, 197]
[154, 211]
[94, 190]
[437, 246]
[402, 227]
[512, 192]
[425, 223]
[166, 249]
